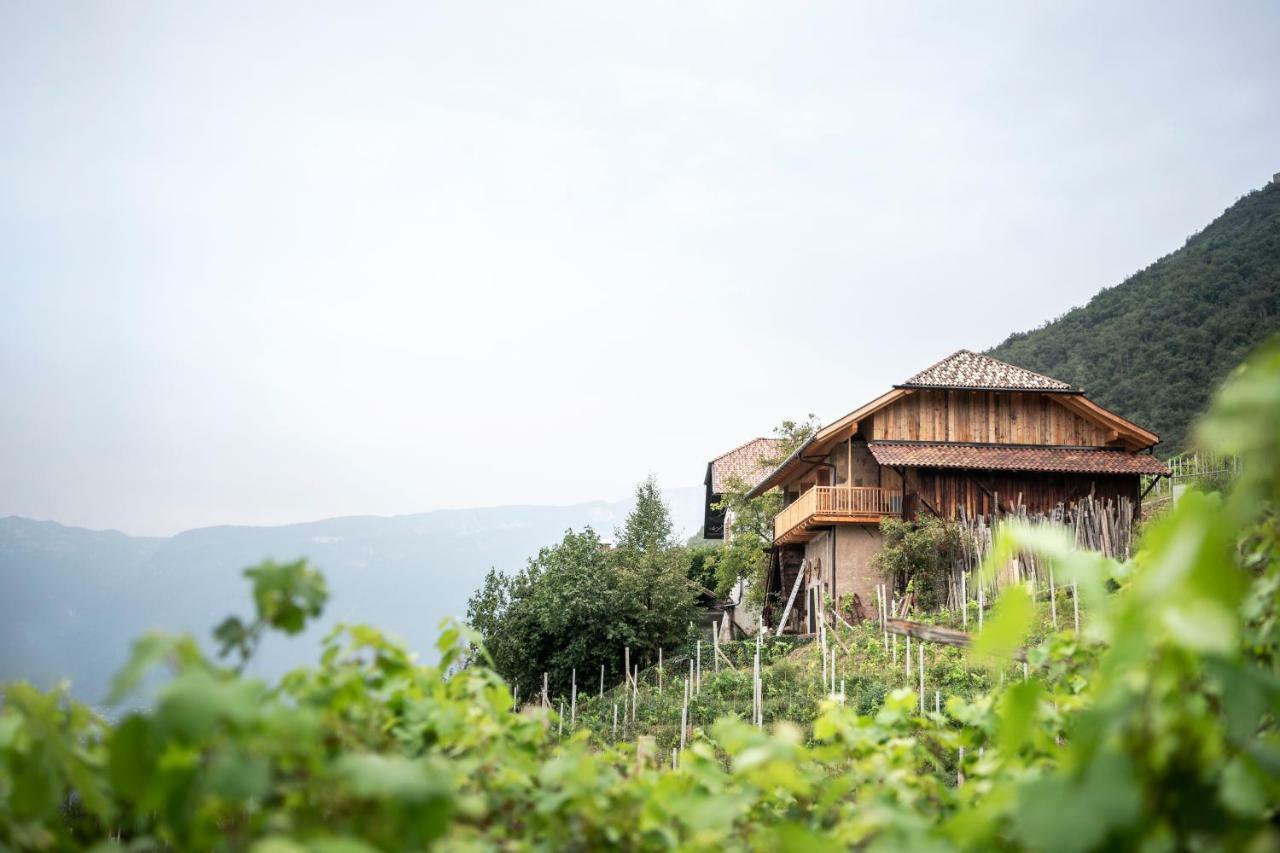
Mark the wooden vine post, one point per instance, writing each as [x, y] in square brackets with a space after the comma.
[715, 644]
[921, 668]
[684, 716]
[1053, 599]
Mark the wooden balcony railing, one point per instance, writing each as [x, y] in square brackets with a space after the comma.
[837, 502]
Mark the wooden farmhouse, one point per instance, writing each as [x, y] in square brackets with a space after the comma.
[969, 436]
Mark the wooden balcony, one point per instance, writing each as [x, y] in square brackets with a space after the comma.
[826, 505]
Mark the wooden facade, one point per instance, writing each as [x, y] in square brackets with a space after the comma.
[949, 493]
[985, 417]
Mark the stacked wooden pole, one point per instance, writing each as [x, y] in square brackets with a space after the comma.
[1105, 526]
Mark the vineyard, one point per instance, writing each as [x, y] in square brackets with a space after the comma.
[1153, 726]
[697, 686]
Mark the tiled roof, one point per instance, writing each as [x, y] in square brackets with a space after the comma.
[1018, 458]
[745, 462]
[967, 369]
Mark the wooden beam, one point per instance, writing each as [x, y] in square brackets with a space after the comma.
[937, 634]
[791, 599]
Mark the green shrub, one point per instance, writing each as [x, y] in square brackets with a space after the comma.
[916, 557]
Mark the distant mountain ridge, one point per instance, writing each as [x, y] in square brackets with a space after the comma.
[1155, 347]
[73, 599]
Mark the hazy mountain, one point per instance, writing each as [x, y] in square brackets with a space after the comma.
[73, 599]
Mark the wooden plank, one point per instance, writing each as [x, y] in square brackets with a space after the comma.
[937, 634]
[791, 599]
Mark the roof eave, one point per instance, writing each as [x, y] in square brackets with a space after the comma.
[1070, 391]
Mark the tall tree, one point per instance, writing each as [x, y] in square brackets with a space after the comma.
[653, 575]
[554, 616]
[577, 605]
[648, 526]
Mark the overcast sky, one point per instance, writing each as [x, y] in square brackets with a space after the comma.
[270, 262]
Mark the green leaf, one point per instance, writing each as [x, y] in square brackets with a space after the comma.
[1003, 633]
[237, 775]
[1018, 716]
[1242, 790]
[148, 652]
[231, 634]
[1058, 813]
[1201, 625]
[194, 702]
[132, 754]
[390, 777]
[287, 594]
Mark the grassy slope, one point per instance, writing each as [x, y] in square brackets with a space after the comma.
[1154, 347]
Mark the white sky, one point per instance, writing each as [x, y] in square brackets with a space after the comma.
[269, 262]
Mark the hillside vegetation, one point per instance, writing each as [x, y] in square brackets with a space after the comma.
[1154, 347]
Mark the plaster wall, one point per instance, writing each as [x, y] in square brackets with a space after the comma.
[845, 569]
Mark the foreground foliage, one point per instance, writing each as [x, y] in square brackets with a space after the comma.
[1155, 730]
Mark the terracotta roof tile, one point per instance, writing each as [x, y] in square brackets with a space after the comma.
[746, 462]
[1015, 458]
[966, 369]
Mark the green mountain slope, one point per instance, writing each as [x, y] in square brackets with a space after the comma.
[1155, 347]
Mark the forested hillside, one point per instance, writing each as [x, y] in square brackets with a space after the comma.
[1155, 347]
